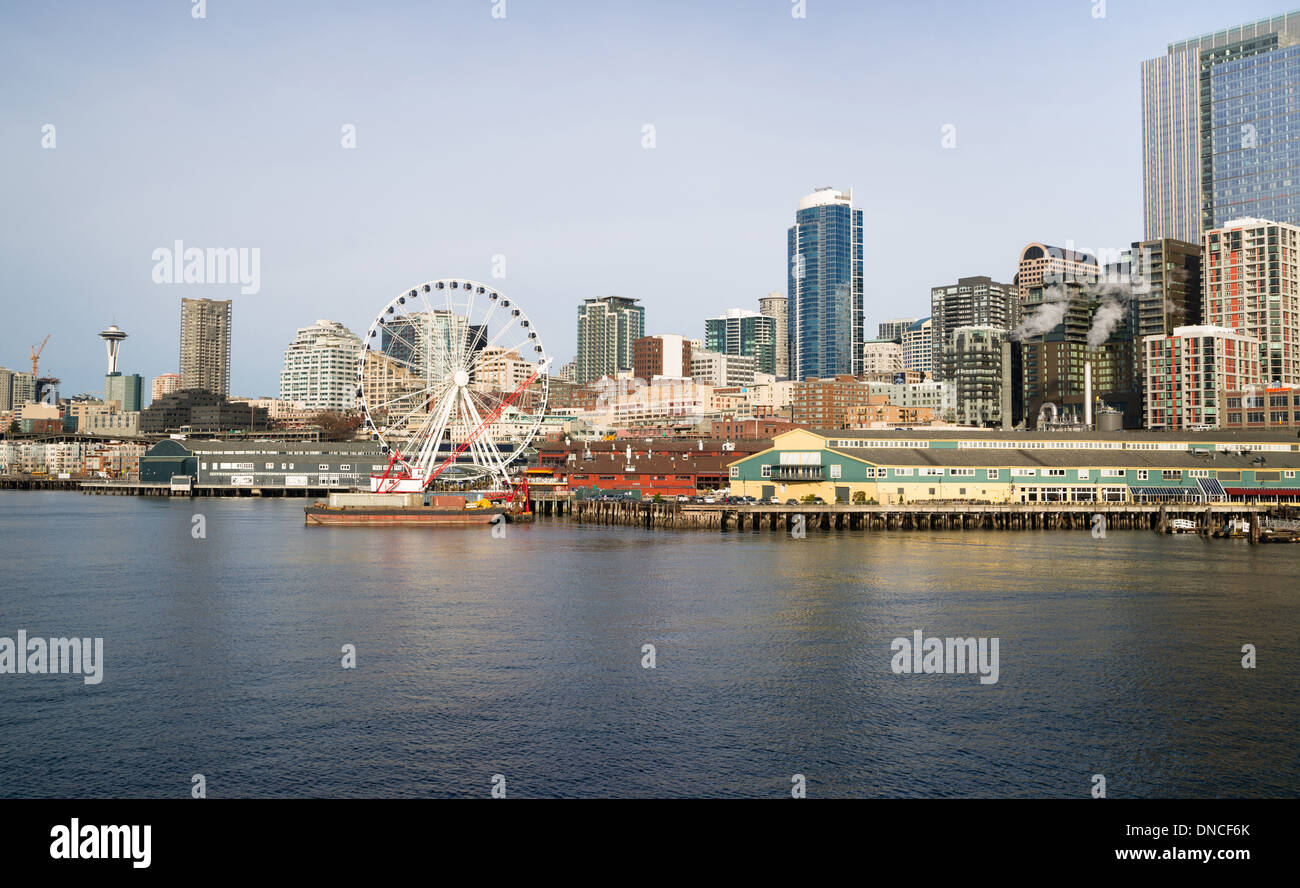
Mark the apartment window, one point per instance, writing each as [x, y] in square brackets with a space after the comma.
[1172, 474]
[1142, 474]
[1112, 473]
[1022, 473]
[270, 466]
[835, 470]
[992, 474]
[931, 491]
[734, 472]
[963, 473]
[1288, 474]
[902, 473]
[932, 471]
[765, 471]
[1054, 473]
[323, 467]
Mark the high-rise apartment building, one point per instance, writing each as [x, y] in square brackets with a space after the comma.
[1217, 129]
[607, 327]
[894, 330]
[824, 251]
[664, 354]
[320, 367]
[164, 384]
[718, 369]
[918, 346]
[6, 389]
[1252, 284]
[979, 366]
[22, 389]
[777, 307]
[1190, 371]
[743, 332]
[205, 345]
[971, 302]
[882, 356]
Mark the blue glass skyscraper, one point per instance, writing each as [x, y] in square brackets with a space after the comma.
[1217, 126]
[824, 252]
[1254, 114]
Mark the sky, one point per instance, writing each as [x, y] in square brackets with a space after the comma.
[524, 136]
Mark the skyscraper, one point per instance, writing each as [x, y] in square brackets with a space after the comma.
[1211, 79]
[777, 307]
[1252, 285]
[743, 332]
[824, 251]
[918, 346]
[607, 327]
[320, 367]
[205, 345]
[971, 302]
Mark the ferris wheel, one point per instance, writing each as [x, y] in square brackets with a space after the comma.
[452, 382]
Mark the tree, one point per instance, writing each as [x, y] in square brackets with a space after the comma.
[336, 426]
[859, 497]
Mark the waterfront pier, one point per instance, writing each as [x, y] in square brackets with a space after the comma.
[917, 516]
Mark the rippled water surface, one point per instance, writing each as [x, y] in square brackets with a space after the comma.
[522, 656]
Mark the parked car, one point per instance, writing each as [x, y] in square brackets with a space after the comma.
[776, 500]
[792, 502]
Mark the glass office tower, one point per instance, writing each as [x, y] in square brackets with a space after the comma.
[824, 251]
[742, 332]
[1254, 138]
[1178, 166]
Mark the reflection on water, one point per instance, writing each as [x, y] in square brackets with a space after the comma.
[522, 656]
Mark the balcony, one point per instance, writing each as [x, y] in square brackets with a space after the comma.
[798, 473]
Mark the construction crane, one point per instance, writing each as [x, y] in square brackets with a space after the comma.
[36, 355]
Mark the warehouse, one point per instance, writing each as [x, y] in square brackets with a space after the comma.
[1021, 467]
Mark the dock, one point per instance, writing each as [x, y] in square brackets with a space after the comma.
[915, 516]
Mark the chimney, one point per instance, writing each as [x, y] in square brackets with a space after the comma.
[1087, 395]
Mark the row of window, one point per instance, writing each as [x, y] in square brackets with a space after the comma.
[765, 471]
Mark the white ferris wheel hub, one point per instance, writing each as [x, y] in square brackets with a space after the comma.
[461, 378]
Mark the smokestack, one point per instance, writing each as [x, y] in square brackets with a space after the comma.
[1087, 395]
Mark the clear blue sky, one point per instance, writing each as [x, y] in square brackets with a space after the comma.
[523, 136]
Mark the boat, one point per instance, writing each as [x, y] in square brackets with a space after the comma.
[1181, 525]
[404, 508]
[1234, 528]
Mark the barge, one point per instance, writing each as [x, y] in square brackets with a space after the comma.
[403, 508]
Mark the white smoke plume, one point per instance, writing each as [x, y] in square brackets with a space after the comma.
[1107, 317]
[1048, 314]
[1110, 313]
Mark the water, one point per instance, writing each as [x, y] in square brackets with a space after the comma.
[522, 656]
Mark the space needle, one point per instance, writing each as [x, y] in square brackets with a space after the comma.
[112, 337]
